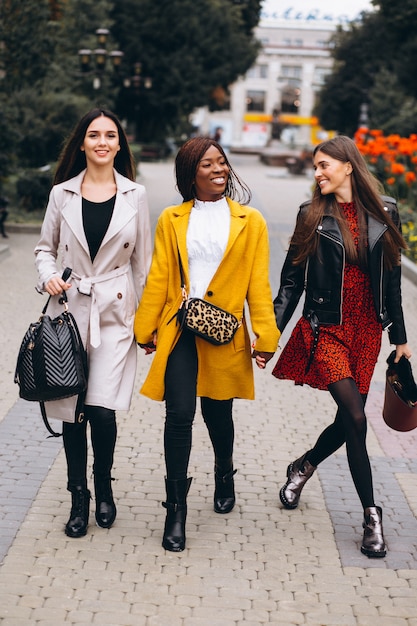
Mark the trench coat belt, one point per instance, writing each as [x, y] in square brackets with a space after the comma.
[86, 287]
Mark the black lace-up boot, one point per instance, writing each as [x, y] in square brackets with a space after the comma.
[105, 507]
[80, 511]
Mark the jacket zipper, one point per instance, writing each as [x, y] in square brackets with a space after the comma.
[323, 234]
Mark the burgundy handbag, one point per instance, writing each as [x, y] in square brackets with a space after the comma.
[400, 401]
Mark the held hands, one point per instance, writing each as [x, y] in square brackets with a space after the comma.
[262, 358]
[149, 347]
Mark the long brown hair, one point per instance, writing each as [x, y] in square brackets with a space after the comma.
[186, 163]
[72, 160]
[366, 195]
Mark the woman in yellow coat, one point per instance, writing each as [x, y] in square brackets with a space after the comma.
[224, 250]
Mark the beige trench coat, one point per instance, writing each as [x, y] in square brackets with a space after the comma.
[104, 293]
[243, 276]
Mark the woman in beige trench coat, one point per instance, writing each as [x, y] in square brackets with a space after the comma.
[224, 251]
[97, 223]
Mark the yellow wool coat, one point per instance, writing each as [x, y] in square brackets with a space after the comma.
[223, 371]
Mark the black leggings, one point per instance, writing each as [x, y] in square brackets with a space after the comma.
[348, 427]
[103, 439]
[181, 402]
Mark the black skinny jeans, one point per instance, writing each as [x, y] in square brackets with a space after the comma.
[103, 439]
[181, 402]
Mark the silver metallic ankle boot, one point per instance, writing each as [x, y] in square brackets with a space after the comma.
[298, 473]
[373, 544]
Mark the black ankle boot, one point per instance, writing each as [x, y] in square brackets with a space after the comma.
[105, 507]
[298, 473]
[176, 506]
[80, 511]
[373, 544]
[224, 492]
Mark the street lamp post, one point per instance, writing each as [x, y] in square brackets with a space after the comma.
[100, 54]
[136, 83]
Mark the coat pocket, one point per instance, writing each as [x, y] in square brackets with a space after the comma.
[321, 296]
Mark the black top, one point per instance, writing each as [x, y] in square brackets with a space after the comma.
[96, 220]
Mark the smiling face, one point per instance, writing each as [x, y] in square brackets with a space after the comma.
[211, 176]
[333, 176]
[101, 142]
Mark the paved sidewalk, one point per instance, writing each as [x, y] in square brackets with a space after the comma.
[258, 565]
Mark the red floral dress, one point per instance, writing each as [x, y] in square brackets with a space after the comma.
[348, 350]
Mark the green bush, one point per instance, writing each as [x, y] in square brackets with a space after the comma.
[32, 189]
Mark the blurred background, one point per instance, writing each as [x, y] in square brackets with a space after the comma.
[265, 77]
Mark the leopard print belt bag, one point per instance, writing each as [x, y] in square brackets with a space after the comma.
[204, 319]
[208, 321]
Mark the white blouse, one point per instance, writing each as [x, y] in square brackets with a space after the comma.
[207, 237]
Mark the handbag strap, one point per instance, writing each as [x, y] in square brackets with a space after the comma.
[79, 415]
[181, 270]
[63, 297]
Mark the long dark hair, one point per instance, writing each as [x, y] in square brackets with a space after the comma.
[366, 194]
[186, 163]
[72, 159]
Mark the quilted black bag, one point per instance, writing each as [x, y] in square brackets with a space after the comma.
[52, 361]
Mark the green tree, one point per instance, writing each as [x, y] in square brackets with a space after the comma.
[374, 63]
[43, 92]
[191, 49]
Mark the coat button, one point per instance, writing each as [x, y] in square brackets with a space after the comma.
[119, 295]
[66, 247]
[385, 208]
[209, 293]
[320, 227]
[321, 300]
[126, 245]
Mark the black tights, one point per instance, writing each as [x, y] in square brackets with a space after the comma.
[348, 427]
[103, 439]
[181, 402]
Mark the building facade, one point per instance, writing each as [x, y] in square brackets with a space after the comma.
[277, 95]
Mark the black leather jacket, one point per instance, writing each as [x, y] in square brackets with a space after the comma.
[322, 279]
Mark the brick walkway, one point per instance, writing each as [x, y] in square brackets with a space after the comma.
[258, 565]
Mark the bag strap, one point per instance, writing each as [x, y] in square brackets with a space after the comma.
[181, 270]
[63, 297]
[79, 410]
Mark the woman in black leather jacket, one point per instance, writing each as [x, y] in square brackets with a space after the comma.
[345, 255]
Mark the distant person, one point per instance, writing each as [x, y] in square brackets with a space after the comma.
[224, 250]
[98, 220]
[345, 254]
[218, 133]
[4, 203]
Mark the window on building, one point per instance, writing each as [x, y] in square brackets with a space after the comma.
[258, 71]
[290, 99]
[320, 74]
[291, 71]
[255, 100]
[298, 43]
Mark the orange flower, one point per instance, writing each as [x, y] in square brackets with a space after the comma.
[391, 181]
[410, 177]
[397, 168]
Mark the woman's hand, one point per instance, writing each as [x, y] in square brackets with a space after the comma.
[149, 347]
[56, 285]
[262, 358]
[402, 350]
